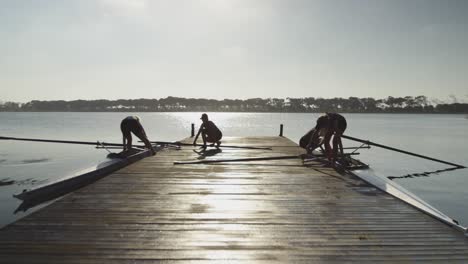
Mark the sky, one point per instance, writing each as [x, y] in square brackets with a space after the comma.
[111, 49]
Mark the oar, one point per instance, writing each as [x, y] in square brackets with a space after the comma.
[236, 160]
[243, 147]
[356, 148]
[248, 159]
[109, 147]
[402, 151]
[63, 141]
[221, 146]
[353, 148]
[104, 147]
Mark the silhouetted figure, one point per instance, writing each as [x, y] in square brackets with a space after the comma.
[328, 125]
[209, 131]
[131, 124]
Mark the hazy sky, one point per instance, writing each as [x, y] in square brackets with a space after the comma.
[90, 49]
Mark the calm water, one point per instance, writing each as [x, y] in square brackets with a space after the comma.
[27, 164]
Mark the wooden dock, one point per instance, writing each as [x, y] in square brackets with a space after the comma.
[250, 212]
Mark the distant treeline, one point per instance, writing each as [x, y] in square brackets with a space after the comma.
[407, 104]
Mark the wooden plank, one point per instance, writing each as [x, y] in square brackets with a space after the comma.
[264, 212]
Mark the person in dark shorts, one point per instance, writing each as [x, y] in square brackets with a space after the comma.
[209, 131]
[131, 124]
[328, 125]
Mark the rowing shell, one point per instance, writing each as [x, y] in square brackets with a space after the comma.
[68, 184]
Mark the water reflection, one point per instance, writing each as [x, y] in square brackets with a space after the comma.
[227, 215]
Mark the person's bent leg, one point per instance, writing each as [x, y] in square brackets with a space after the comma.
[336, 139]
[204, 137]
[142, 136]
[218, 141]
[303, 142]
[340, 143]
[148, 145]
[129, 141]
[328, 149]
[340, 129]
[124, 128]
[210, 139]
[343, 158]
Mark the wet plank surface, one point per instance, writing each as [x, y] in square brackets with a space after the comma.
[249, 212]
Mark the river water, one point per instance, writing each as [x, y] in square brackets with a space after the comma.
[24, 165]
